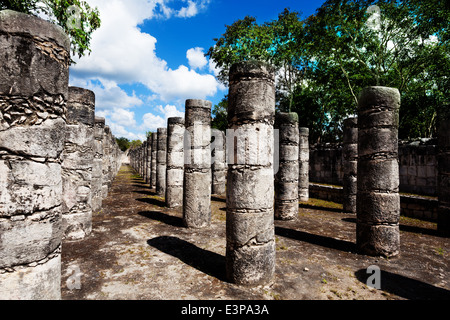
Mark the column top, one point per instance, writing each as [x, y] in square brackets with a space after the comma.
[14, 22]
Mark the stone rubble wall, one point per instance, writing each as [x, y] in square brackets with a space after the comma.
[54, 157]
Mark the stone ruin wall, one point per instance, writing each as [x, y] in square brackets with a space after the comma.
[52, 155]
[58, 162]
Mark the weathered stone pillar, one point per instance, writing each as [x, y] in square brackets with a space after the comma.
[197, 165]
[106, 162]
[34, 64]
[97, 172]
[250, 248]
[175, 162]
[77, 163]
[443, 223]
[218, 162]
[350, 164]
[303, 163]
[144, 160]
[286, 179]
[161, 162]
[148, 160]
[154, 156]
[378, 200]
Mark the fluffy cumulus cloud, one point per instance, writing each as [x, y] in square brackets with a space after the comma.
[123, 54]
[196, 58]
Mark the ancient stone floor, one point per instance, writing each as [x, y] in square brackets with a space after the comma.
[139, 250]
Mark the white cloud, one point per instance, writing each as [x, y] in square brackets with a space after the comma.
[123, 117]
[196, 58]
[123, 54]
[108, 95]
[150, 122]
[189, 11]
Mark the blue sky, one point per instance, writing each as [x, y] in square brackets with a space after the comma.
[148, 56]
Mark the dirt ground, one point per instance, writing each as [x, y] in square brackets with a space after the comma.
[139, 250]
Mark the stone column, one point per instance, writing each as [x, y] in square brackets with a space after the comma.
[303, 163]
[286, 179]
[106, 162]
[161, 162]
[250, 248]
[97, 173]
[144, 160]
[34, 64]
[378, 200]
[350, 163]
[218, 163]
[148, 160]
[197, 165]
[443, 223]
[175, 162]
[153, 164]
[78, 157]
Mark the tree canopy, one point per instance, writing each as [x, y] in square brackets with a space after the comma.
[325, 60]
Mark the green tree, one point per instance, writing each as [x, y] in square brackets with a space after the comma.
[123, 143]
[402, 44]
[135, 144]
[219, 113]
[76, 17]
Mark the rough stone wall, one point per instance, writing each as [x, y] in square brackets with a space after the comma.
[218, 162]
[97, 172]
[106, 166]
[78, 157]
[175, 162]
[197, 165]
[34, 64]
[250, 245]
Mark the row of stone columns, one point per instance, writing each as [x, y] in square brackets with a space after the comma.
[54, 157]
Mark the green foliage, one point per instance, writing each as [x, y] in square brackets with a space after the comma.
[123, 143]
[76, 18]
[325, 60]
[219, 112]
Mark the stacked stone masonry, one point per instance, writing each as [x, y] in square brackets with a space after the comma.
[175, 162]
[197, 164]
[51, 157]
[77, 164]
[58, 161]
[378, 199]
[250, 234]
[286, 177]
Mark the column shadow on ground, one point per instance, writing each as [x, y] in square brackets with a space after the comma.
[406, 287]
[412, 229]
[203, 260]
[153, 201]
[322, 241]
[163, 217]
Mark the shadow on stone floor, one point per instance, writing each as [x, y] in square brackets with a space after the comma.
[405, 287]
[153, 201]
[412, 229]
[203, 260]
[322, 241]
[163, 217]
